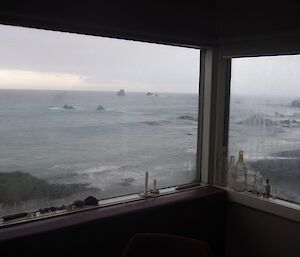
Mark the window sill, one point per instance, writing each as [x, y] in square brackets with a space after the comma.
[271, 205]
[105, 212]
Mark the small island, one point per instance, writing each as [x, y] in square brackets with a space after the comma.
[121, 92]
[69, 107]
[100, 108]
[151, 94]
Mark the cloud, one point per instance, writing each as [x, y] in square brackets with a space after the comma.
[95, 63]
[24, 79]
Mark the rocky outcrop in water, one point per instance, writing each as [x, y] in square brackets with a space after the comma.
[100, 108]
[19, 186]
[121, 92]
[69, 107]
[295, 103]
[187, 117]
[151, 94]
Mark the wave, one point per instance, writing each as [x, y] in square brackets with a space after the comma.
[61, 108]
[187, 117]
[156, 123]
[98, 169]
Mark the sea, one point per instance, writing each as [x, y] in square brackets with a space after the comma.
[61, 137]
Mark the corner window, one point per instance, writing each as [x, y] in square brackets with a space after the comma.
[88, 116]
[265, 122]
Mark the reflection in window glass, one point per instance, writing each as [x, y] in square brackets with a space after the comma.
[265, 121]
[83, 115]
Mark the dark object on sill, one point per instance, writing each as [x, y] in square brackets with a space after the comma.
[78, 203]
[62, 207]
[52, 208]
[91, 200]
[44, 210]
[162, 245]
[14, 216]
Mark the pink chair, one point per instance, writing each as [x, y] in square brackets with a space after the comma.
[165, 245]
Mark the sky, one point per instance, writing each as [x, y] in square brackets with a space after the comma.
[41, 59]
[266, 76]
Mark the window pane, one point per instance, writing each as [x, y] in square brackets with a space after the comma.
[265, 121]
[83, 115]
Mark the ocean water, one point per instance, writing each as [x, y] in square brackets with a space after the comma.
[109, 150]
[267, 129]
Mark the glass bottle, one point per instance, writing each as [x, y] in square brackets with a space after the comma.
[267, 188]
[258, 180]
[251, 181]
[231, 172]
[240, 174]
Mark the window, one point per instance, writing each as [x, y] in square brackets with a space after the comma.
[84, 115]
[265, 121]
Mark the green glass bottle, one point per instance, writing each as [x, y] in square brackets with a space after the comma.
[231, 172]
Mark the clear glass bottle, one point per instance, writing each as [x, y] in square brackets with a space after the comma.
[251, 181]
[258, 181]
[231, 172]
[240, 174]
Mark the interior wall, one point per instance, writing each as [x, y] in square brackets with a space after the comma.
[192, 23]
[258, 27]
[253, 233]
[257, 18]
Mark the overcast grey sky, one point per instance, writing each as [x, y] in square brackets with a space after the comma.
[266, 76]
[40, 59]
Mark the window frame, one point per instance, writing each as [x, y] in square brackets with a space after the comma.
[204, 54]
[220, 129]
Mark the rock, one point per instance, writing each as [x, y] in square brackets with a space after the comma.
[121, 92]
[69, 107]
[151, 94]
[258, 119]
[91, 200]
[100, 108]
[78, 203]
[187, 117]
[277, 114]
[296, 104]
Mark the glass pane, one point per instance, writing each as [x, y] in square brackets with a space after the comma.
[83, 115]
[265, 121]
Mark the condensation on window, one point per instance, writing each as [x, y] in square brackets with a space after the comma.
[265, 120]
